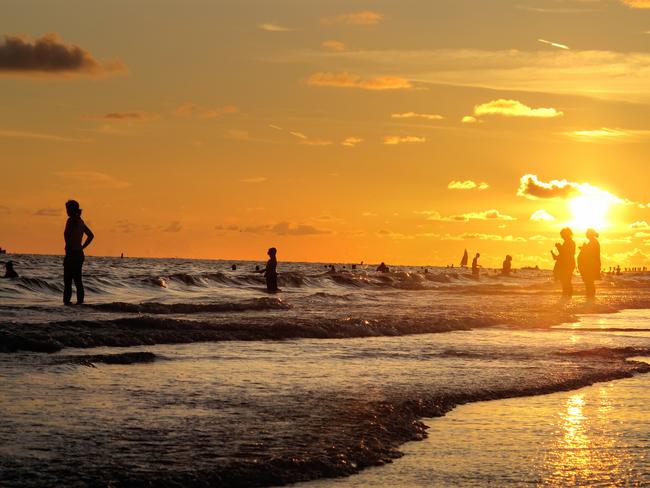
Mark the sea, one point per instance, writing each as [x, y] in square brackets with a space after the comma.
[179, 372]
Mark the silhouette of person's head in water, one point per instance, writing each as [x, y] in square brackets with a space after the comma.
[10, 272]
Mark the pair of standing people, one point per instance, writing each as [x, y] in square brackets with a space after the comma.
[588, 262]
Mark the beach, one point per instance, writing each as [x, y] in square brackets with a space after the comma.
[209, 381]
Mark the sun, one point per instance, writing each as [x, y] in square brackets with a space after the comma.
[589, 211]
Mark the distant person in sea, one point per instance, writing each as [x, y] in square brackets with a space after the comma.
[589, 263]
[270, 272]
[382, 268]
[565, 262]
[507, 266]
[475, 265]
[10, 272]
[75, 229]
[234, 267]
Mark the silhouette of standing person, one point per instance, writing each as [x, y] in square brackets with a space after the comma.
[10, 272]
[270, 272]
[589, 263]
[565, 262]
[507, 266]
[475, 265]
[75, 229]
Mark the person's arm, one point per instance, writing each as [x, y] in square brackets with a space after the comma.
[67, 232]
[89, 236]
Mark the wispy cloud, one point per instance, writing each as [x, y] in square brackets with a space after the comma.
[394, 140]
[492, 214]
[541, 216]
[174, 226]
[49, 56]
[347, 80]
[531, 187]
[333, 45]
[271, 27]
[467, 185]
[281, 229]
[513, 108]
[18, 134]
[554, 44]
[636, 3]
[469, 119]
[94, 178]
[351, 141]
[640, 224]
[364, 17]
[133, 116]
[415, 115]
[48, 212]
[254, 179]
[189, 109]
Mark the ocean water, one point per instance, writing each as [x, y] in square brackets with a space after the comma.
[186, 373]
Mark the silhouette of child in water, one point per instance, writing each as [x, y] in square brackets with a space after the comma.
[75, 229]
[270, 272]
[10, 272]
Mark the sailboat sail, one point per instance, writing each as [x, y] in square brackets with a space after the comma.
[463, 262]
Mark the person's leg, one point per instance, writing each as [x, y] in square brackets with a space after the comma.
[272, 282]
[78, 283]
[67, 280]
[590, 289]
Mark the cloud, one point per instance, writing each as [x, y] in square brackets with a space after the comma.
[531, 187]
[640, 224]
[347, 80]
[94, 178]
[414, 115]
[134, 116]
[333, 45]
[255, 179]
[270, 27]
[17, 134]
[491, 237]
[541, 216]
[513, 108]
[174, 226]
[48, 212]
[49, 56]
[554, 44]
[636, 3]
[492, 214]
[316, 142]
[281, 228]
[486, 215]
[468, 119]
[351, 141]
[394, 140]
[189, 109]
[126, 226]
[605, 134]
[299, 135]
[467, 185]
[364, 17]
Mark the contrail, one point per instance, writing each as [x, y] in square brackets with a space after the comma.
[554, 44]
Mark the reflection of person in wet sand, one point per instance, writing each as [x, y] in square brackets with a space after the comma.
[270, 272]
[475, 265]
[565, 262]
[589, 263]
[75, 229]
[507, 266]
[10, 272]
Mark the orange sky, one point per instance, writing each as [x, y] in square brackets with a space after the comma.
[335, 131]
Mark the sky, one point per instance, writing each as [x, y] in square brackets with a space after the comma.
[337, 131]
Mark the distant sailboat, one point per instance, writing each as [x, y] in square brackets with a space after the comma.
[463, 262]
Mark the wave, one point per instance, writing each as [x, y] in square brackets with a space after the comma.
[265, 303]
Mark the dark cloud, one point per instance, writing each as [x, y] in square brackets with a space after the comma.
[49, 55]
[135, 116]
[48, 212]
[531, 187]
[174, 226]
[281, 229]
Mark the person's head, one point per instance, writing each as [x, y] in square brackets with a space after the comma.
[592, 234]
[9, 265]
[272, 252]
[566, 233]
[508, 257]
[72, 208]
[478, 255]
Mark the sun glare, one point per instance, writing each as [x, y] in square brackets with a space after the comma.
[589, 211]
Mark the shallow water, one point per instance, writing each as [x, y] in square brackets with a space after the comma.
[594, 436]
[224, 385]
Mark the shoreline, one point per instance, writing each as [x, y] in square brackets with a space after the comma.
[427, 461]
